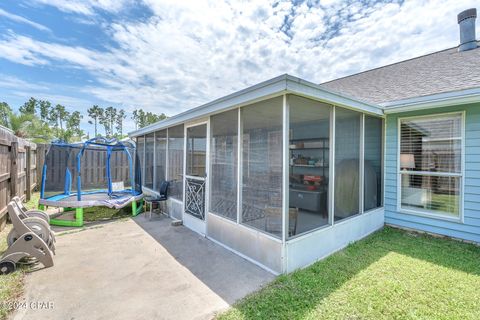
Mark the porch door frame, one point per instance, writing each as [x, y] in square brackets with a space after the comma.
[191, 222]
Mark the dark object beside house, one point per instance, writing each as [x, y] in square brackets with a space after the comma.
[163, 196]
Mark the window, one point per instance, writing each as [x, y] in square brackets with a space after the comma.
[309, 150]
[149, 145]
[223, 146]
[160, 157]
[372, 194]
[430, 163]
[347, 163]
[175, 162]
[262, 166]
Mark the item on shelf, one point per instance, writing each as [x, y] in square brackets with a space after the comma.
[302, 161]
[300, 145]
[312, 178]
[313, 144]
[292, 160]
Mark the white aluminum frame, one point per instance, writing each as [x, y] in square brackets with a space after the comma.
[360, 172]
[239, 166]
[461, 175]
[144, 153]
[240, 171]
[285, 169]
[383, 148]
[198, 225]
[154, 182]
[361, 178]
[166, 156]
[331, 172]
[284, 240]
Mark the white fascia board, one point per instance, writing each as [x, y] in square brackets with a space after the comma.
[446, 99]
[264, 90]
[316, 92]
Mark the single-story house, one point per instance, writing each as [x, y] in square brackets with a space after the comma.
[287, 171]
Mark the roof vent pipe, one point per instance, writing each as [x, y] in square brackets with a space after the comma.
[466, 20]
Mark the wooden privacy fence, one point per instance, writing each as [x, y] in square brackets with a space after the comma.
[18, 169]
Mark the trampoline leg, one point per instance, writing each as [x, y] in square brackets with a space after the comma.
[78, 222]
[136, 210]
[79, 217]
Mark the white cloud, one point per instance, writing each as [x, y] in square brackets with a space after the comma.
[86, 7]
[10, 82]
[189, 53]
[21, 19]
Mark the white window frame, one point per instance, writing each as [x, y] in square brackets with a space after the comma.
[461, 175]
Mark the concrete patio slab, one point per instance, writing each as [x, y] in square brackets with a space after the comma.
[138, 269]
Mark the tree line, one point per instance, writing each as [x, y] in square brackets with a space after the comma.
[111, 119]
[42, 122]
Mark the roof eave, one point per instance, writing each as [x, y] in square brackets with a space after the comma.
[439, 100]
[264, 90]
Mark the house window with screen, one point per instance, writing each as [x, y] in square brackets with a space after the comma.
[430, 164]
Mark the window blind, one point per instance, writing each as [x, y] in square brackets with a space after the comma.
[431, 164]
[431, 144]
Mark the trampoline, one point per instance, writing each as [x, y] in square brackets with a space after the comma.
[98, 172]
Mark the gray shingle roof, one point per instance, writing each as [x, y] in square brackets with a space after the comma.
[439, 72]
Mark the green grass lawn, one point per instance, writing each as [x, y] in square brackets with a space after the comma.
[11, 285]
[392, 274]
[33, 202]
[104, 213]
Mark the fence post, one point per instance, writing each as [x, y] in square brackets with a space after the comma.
[41, 149]
[14, 169]
[28, 175]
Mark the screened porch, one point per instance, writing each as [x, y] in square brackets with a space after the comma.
[270, 173]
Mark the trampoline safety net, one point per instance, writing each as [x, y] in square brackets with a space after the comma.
[90, 173]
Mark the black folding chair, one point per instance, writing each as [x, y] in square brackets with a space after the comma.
[163, 191]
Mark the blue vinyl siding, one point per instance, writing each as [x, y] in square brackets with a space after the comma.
[469, 229]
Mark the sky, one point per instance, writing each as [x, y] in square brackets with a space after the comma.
[167, 56]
